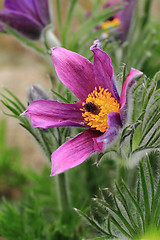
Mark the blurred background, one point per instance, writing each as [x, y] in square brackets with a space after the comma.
[21, 67]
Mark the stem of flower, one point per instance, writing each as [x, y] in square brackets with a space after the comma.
[61, 179]
[63, 196]
[63, 189]
[50, 39]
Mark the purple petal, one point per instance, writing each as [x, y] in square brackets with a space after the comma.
[42, 9]
[98, 146]
[73, 152]
[17, 5]
[34, 8]
[47, 114]
[126, 17]
[134, 73]
[103, 70]
[75, 71]
[115, 124]
[22, 23]
[130, 80]
[25, 6]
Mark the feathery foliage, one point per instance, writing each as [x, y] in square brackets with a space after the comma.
[127, 215]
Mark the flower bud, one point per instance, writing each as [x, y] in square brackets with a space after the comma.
[36, 92]
[28, 18]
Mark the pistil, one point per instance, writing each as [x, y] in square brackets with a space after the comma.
[110, 23]
[92, 108]
[98, 105]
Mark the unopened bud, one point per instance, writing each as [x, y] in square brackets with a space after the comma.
[36, 92]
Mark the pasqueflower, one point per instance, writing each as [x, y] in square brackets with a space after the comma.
[99, 109]
[28, 17]
[121, 19]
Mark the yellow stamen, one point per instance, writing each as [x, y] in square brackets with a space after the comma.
[104, 103]
[113, 23]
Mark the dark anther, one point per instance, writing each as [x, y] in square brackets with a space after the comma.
[110, 18]
[91, 107]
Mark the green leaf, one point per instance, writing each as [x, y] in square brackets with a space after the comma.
[128, 216]
[156, 200]
[93, 223]
[152, 140]
[58, 95]
[151, 124]
[95, 7]
[146, 12]
[98, 238]
[138, 191]
[12, 102]
[151, 180]
[105, 204]
[157, 215]
[13, 110]
[59, 16]
[127, 208]
[149, 94]
[16, 99]
[10, 115]
[145, 195]
[156, 77]
[114, 221]
[139, 223]
[116, 212]
[124, 68]
[68, 22]
[136, 204]
[109, 225]
[123, 219]
[156, 138]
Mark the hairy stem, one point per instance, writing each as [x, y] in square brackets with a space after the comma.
[63, 189]
[63, 194]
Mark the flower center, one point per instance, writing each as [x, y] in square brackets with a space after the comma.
[98, 105]
[110, 23]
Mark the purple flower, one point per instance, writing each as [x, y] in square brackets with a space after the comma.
[28, 17]
[99, 109]
[122, 18]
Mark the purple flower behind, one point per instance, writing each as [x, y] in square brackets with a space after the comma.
[28, 17]
[100, 109]
[124, 17]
